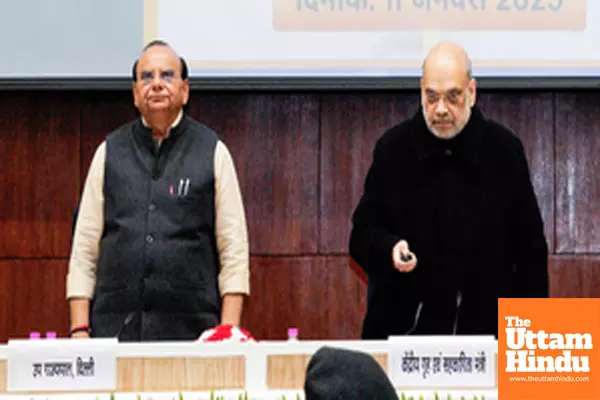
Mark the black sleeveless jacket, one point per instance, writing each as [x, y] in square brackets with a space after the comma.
[157, 273]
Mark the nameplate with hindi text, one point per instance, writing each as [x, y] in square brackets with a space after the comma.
[62, 365]
[442, 361]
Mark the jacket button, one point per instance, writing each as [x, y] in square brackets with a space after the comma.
[152, 207]
[149, 239]
[448, 152]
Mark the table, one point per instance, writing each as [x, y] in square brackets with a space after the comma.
[262, 369]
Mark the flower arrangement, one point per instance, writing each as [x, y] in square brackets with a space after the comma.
[226, 334]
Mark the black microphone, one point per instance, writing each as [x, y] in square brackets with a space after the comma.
[126, 323]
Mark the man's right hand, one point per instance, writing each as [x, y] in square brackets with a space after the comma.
[79, 309]
[404, 259]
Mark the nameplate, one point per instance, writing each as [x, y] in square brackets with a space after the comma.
[442, 361]
[139, 396]
[70, 396]
[122, 396]
[62, 365]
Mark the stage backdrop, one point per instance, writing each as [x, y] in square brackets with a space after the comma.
[301, 159]
[314, 39]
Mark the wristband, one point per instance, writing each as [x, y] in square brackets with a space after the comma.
[79, 328]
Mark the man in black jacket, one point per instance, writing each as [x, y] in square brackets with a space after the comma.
[448, 221]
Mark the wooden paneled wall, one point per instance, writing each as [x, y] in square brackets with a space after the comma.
[301, 160]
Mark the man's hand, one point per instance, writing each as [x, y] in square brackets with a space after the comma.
[404, 260]
[231, 309]
[80, 335]
[79, 316]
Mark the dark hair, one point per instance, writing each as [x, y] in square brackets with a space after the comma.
[158, 42]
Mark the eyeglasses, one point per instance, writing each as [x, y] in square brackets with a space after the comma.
[167, 76]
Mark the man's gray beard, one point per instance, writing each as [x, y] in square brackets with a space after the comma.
[451, 134]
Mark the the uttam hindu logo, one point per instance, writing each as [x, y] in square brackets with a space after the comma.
[526, 348]
[547, 349]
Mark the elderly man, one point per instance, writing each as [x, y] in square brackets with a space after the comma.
[160, 249]
[448, 221]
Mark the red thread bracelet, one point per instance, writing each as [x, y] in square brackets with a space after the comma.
[79, 328]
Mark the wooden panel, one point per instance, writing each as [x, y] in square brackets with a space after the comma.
[350, 126]
[321, 296]
[3, 376]
[186, 374]
[35, 297]
[530, 116]
[287, 185]
[39, 149]
[6, 304]
[288, 372]
[274, 142]
[575, 276]
[101, 113]
[577, 172]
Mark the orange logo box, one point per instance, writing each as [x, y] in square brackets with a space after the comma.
[549, 349]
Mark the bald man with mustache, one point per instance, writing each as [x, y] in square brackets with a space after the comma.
[448, 221]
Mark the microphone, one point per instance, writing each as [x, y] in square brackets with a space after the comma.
[125, 324]
[416, 320]
[458, 302]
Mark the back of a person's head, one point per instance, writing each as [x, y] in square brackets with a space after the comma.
[346, 374]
